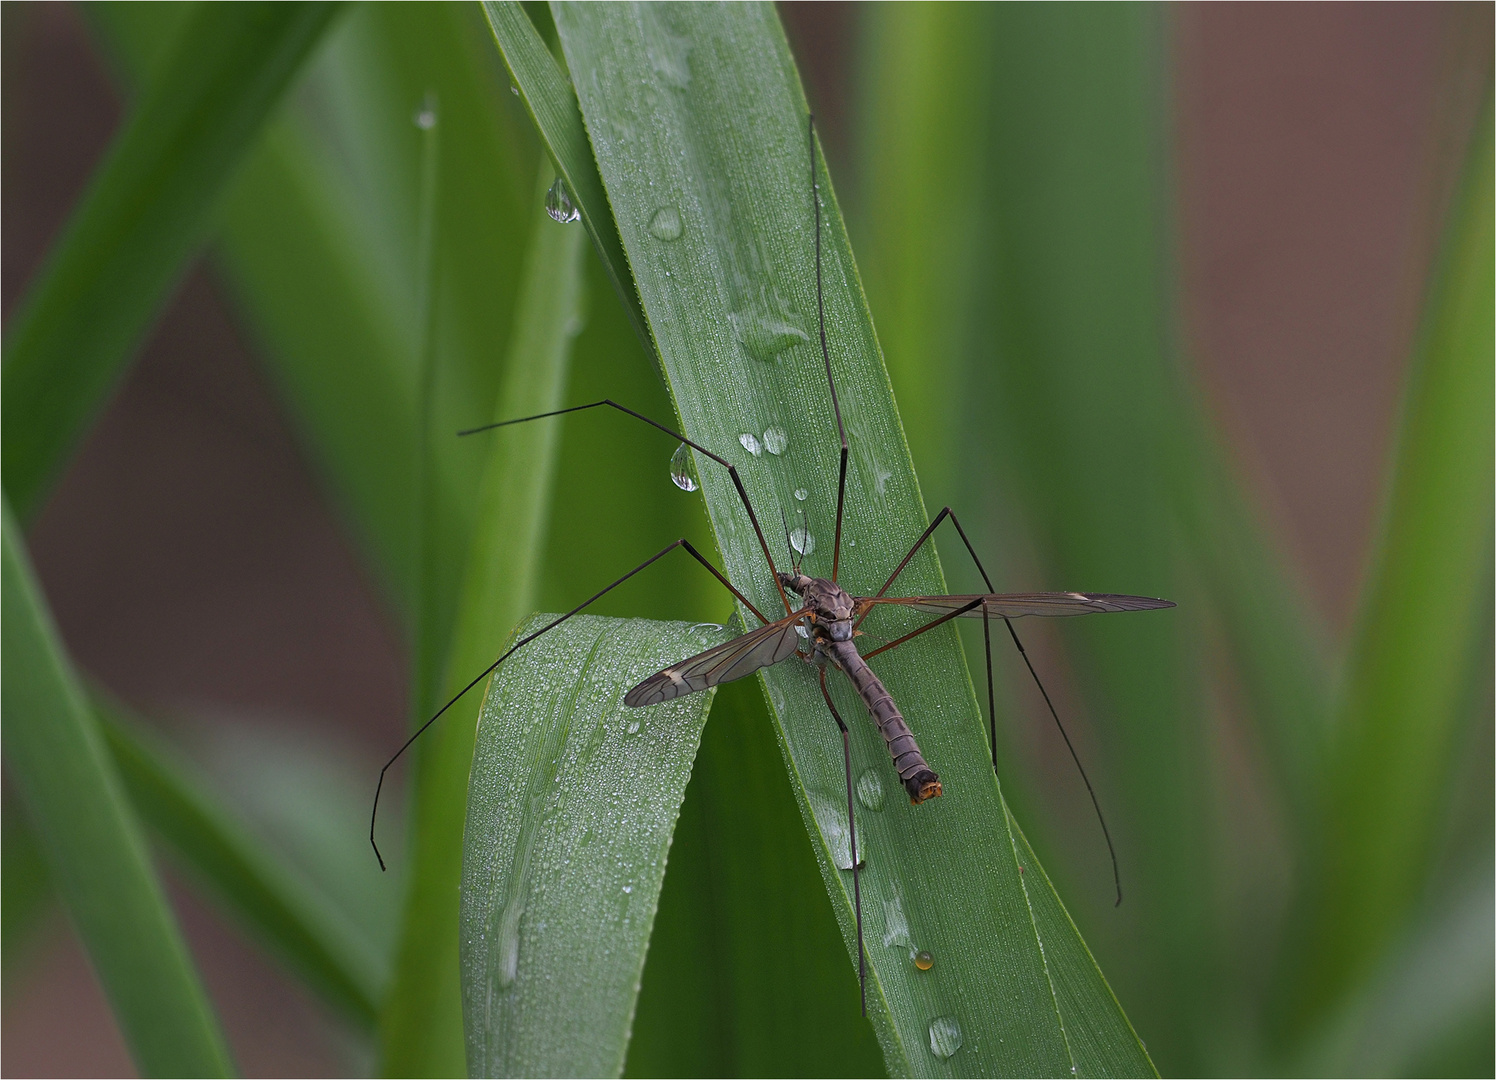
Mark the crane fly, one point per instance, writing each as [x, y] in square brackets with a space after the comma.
[825, 622]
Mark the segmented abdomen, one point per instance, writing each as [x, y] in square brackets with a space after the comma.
[918, 778]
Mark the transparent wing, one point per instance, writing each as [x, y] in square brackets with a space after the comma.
[1015, 605]
[731, 660]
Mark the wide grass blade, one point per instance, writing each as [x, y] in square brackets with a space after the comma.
[423, 1013]
[573, 801]
[710, 189]
[256, 886]
[1418, 640]
[93, 846]
[146, 212]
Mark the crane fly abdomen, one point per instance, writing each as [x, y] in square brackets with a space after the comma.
[918, 778]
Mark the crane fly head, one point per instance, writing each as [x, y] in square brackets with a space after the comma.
[796, 582]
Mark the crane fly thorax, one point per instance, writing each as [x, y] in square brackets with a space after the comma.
[828, 606]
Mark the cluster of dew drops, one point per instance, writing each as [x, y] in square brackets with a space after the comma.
[776, 442]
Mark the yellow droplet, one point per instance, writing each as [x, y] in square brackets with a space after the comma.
[923, 960]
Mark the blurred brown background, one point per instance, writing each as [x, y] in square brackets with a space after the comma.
[195, 569]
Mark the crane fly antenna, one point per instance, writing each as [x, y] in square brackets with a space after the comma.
[1110, 850]
[841, 430]
[788, 546]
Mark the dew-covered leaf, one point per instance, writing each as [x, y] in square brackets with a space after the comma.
[571, 806]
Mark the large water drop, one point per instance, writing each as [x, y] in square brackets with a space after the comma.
[558, 203]
[945, 1036]
[666, 224]
[764, 336]
[683, 469]
[870, 790]
[775, 440]
[750, 443]
[802, 541]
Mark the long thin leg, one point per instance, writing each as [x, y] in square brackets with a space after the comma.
[1116, 873]
[946, 512]
[852, 833]
[841, 430]
[681, 543]
[991, 699]
[732, 470]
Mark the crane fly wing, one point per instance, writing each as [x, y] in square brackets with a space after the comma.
[731, 660]
[1015, 605]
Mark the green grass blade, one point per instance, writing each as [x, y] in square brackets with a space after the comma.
[145, 213]
[257, 887]
[547, 93]
[574, 798]
[423, 1015]
[1101, 1040]
[697, 119]
[94, 849]
[1418, 639]
[922, 87]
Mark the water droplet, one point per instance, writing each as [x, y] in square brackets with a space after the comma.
[633, 727]
[683, 469]
[765, 337]
[775, 440]
[801, 494]
[514, 90]
[802, 541]
[558, 203]
[750, 443]
[628, 888]
[923, 960]
[802, 631]
[870, 790]
[832, 819]
[425, 119]
[945, 1036]
[895, 926]
[665, 224]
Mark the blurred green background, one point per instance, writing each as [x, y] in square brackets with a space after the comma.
[1190, 301]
